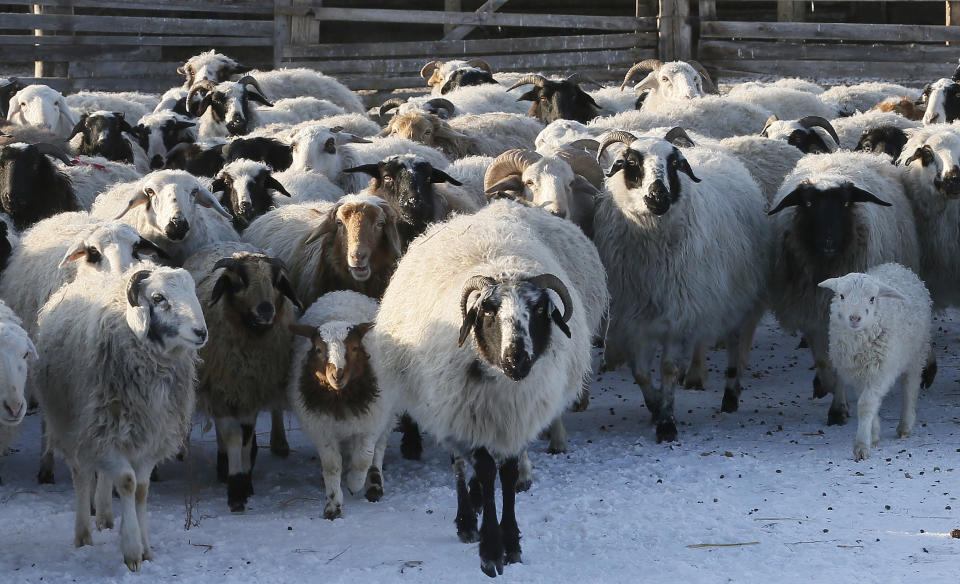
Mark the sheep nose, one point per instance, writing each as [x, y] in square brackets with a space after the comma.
[359, 256]
[854, 320]
[201, 334]
[156, 162]
[931, 118]
[14, 409]
[265, 312]
[177, 229]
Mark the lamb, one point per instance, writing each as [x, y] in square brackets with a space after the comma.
[243, 187]
[131, 104]
[123, 402]
[467, 135]
[172, 209]
[248, 304]
[712, 116]
[16, 353]
[811, 134]
[834, 214]
[852, 128]
[666, 82]
[336, 397]
[657, 202]
[443, 77]
[879, 334]
[40, 105]
[352, 244]
[847, 100]
[515, 385]
[554, 99]
[785, 103]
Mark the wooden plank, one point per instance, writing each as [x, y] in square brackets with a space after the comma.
[451, 6]
[482, 19]
[461, 32]
[50, 68]
[122, 69]
[682, 37]
[137, 24]
[665, 28]
[188, 41]
[281, 33]
[441, 49]
[233, 6]
[909, 72]
[830, 30]
[788, 11]
[69, 53]
[407, 81]
[764, 50]
[952, 16]
[303, 29]
[708, 10]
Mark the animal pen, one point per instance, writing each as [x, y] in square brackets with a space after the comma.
[138, 44]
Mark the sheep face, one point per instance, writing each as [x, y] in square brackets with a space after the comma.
[243, 187]
[650, 168]
[415, 126]
[158, 133]
[315, 148]
[554, 100]
[31, 187]
[858, 299]
[677, 80]
[337, 355]
[942, 101]
[253, 288]
[824, 216]
[211, 66]
[936, 160]
[8, 87]
[364, 229]
[274, 153]
[162, 309]
[169, 198]
[228, 106]
[101, 134]
[888, 140]
[465, 78]
[804, 138]
[16, 351]
[111, 247]
[511, 322]
[39, 105]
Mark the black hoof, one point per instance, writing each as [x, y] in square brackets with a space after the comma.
[666, 431]
[374, 492]
[731, 402]
[45, 477]
[514, 557]
[237, 489]
[818, 389]
[222, 467]
[468, 535]
[524, 485]
[492, 567]
[803, 343]
[280, 448]
[836, 418]
[411, 445]
[928, 375]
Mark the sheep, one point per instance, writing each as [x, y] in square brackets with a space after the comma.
[940, 100]
[612, 100]
[9, 240]
[248, 304]
[274, 153]
[879, 333]
[40, 105]
[554, 99]
[888, 140]
[713, 116]
[16, 354]
[559, 134]
[439, 106]
[834, 214]
[666, 82]
[123, 399]
[479, 99]
[209, 66]
[566, 184]
[206, 157]
[165, 207]
[420, 193]
[851, 129]
[131, 104]
[709, 283]
[291, 83]
[352, 244]
[847, 100]
[174, 100]
[467, 135]
[336, 397]
[907, 107]
[470, 171]
[243, 187]
[306, 186]
[808, 134]
[33, 187]
[158, 132]
[443, 77]
[783, 102]
[92, 175]
[799, 84]
[8, 87]
[479, 392]
[102, 133]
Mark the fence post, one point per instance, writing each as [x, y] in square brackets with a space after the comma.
[47, 68]
[673, 23]
[953, 14]
[790, 11]
[281, 31]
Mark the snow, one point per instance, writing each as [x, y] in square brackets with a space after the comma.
[618, 508]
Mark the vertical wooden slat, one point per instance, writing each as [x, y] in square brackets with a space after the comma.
[674, 26]
[305, 30]
[450, 6]
[281, 31]
[665, 29]
[952, 14]
[708, 10]
[791, 11]
[683, 39]
[50, 68]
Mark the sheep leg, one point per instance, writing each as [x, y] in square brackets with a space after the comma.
[103, 502]
[929, 371]
[910, 381]
[825, 381]
[697, 373]
[121, 473]
[248, 426]
[640, 360]
[278, 435]
[839, 410]
[583, 398]
[232, 432]
[373, 486]
[671, 367]
[558, 436]
[45, 474]
[361, 459]
[331, 461]
[738, 358]
[411, 445]
[143, 487]
[466, 520]
[525, 476]
[491, 541]
[509, 530]
[867, 407]
[82, 484]
[222, 464]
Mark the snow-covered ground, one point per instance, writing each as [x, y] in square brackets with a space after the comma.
[618, 508]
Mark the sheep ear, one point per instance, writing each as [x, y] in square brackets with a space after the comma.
[13, 107]
[793, 199]
[303, 330]
[241, 69]
[181, 70]
[181, 125]
[371, 169]
[31, 348]
[469, 319]
[206, 199]
[78, 251]
[529, 96]
[272, 183]
[286, 288]
[362, 329]
[80, 126]
[510, 184]
[138, 317]
[328, 225]
[558, 320]
[859, 195]
[890, 292]
[438, 176]
[684, 167]
[141, 198]
[67, 118]
[259, 98]
[223, 284]
[830, 284]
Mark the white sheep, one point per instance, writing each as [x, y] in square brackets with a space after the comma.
[612, 100]
[43, 106]
[685, 230]
[93, 175]
[133, 105]
[713, 116]
[306, 186]
[290, 83]
[123, 400]
[851, 128]
[336, 397]
[847, 100]
[16, 353]
[490, 356]
[784, 102]
[799, 84]
[834, 214]
[879, 334]
[467, 135]
[666, 82]
[470, 171]
[810, 134]
[172, 209]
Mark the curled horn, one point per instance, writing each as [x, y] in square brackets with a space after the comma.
[551, 282]
[509, 163]
[473, 284]
[59, 154]
[679, 137]
[133, 287]
[614, 137]
[392, 103]
[818, 122]
[708, 85]
[202, 85]
[480, 64]
[530, 79]
[229, 263]
[579, 78]
[584, 164]
[249, 80]
[439, 104]
[429, 68]
[641, 67]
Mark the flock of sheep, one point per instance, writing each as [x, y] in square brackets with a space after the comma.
[448, 261]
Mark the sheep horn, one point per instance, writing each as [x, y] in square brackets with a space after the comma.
[643, 66]
[249, 80]
[708, 85]
[202, 85]
[582, 163]
[59, 154]
[392, 103]
[679, 137]
[551, 282]
[429, 68]
[510, 162]
[473, 284]
[579, 78]
[818, 122]
[439, 104]
[770, 120]
[614, 137]
[529, 79]
[480, 64]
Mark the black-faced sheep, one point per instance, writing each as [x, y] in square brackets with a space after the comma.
[554, 99]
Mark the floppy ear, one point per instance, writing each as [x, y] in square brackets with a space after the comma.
[303, 330]
[859, 195]
[224, 283]
[371, 169]
[218, 186]
[890, 292]
[259, 98]
[31, 348]
[272, 183]
[531, 95]
[67, 118]
[181, 70]
[241, 69]
[141, 198]
[793, 199]
[830, 284]
[438, 176]
[511, 184]
[137, 316]
[286, 288]
[328, 225]
[13, 107]
[362, 328]
[684, 167]
[558, 320]
[80, 126]
[469, 319]
[76, 252]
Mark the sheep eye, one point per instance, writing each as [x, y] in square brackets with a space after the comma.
[872, 298]
[381, 223]
[841, 297]
[425, 132]
[27, 354]
[529, 183]
[388, 179]
[149, 192]
[808, 204]
[339, 223]
[23, 104]
[664, 79]
[158, 298]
